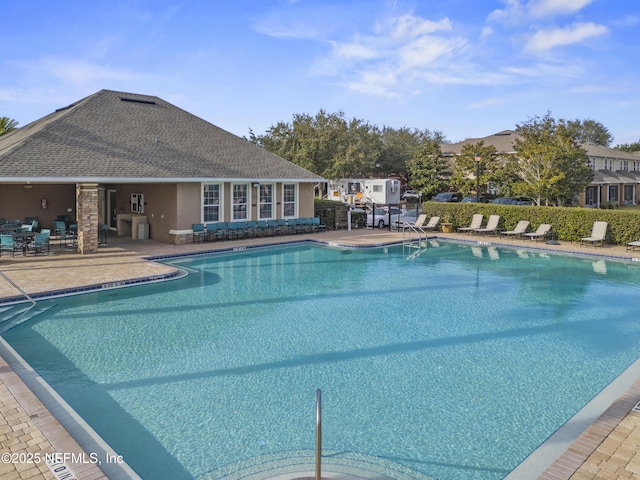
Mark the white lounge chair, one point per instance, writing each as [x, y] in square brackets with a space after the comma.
[432, 224]
[476, 222]
[541, 232]
[519, 230]
[633, 245]
[598, 234]
[420, 220]
[492, 225]
[419, 224]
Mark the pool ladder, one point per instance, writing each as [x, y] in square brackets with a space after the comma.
[318, 434]
[414, 246]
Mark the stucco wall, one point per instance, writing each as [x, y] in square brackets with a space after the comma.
[18, 202]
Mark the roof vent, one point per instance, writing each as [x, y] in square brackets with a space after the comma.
[137, 100]
[66, 108]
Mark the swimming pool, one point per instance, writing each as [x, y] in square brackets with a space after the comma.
[453, 365]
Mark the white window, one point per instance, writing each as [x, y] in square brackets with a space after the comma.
[265, 201]
[592, 163]
[211, 202]
[289, 201]
[636, 166]
[608, 164]
[377, 188]
[624, 165]
[240, 202]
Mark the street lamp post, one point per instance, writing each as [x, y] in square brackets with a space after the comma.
[477, 158]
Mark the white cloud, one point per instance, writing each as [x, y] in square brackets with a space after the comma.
[544, 8]
[547, 39]
[517, 12]
[79, 72]
[514, 12]
[399, 50]
[354, 50]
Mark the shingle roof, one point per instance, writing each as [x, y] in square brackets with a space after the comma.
[504, 143]
[114, 135]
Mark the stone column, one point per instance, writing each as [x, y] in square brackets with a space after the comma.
[87, 204]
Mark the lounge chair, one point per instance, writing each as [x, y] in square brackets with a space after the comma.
[633, 245]
[419, 221]
[519, 230]
[420, 224]
[492, 225]
[476, 222]
[542, 231]
[598, 234]
[432, 224]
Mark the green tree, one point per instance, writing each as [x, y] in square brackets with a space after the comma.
[589, 131]
[399, 146]
[326, 144]
[551, 164]
[629, 147]
[490, 168]
[7, 124]
[428, 168]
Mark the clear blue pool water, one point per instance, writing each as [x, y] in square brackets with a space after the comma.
[455, 364]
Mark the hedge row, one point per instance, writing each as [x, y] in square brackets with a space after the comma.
[569, 224]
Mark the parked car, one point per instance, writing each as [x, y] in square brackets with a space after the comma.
[411, 195]
[382, 217]
[447, 197]
[472, 199]
[512, 201]
[410, 216]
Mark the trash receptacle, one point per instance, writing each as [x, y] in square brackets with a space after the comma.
[143, 231]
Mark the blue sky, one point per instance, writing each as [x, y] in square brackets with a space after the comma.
[467, 68]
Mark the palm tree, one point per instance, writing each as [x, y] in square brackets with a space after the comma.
[7, 124]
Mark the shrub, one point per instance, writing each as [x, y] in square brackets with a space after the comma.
[569, 224]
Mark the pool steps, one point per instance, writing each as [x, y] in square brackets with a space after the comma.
[15, 315]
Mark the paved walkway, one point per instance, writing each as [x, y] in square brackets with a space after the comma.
[607, 450]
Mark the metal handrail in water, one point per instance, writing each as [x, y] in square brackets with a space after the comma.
[318, 433]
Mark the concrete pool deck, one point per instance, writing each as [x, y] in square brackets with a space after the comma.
[608, 449]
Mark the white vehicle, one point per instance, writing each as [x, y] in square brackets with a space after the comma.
[383, 191]
[381, 217]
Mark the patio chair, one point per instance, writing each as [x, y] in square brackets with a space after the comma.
[317, 226]
[8, 244]
[492, 225]
[263, 228]
[236, 229]
[273, 227]
[199, 233]
[40, 244]
[65, 237]
[308, 225]
[476, 222]
[286, 226]
[598, 234]
[520, 229]
[542, 231]
[216, 231]
[102, 234]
